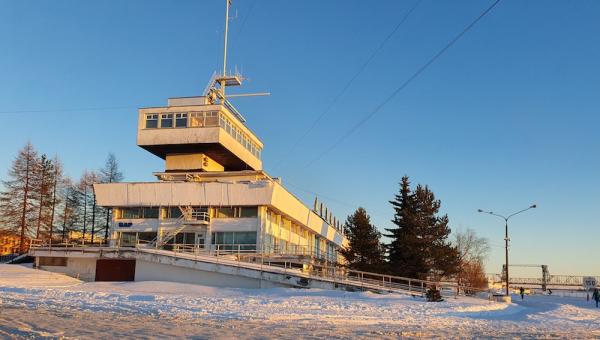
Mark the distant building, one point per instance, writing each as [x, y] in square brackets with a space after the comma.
[10, 243]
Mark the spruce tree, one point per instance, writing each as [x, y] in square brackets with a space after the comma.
[419, 247]
[441, 257]
[404, 250]
[364, 251]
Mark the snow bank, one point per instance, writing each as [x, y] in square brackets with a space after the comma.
[179, 309]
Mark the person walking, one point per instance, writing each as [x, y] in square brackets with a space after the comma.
[522, 292]
[596, 296]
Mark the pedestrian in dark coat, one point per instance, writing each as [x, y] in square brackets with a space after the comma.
[522, 292]
[596, 296]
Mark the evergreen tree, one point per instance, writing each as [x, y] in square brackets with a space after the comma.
[17, 197]
[110, 173]
[365, 251]
[419, 246]
[404, 250]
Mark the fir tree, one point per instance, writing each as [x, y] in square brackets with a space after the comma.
[404, 250]
[365, 251]
[419, 246]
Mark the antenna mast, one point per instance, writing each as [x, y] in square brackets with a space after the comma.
[215, 90]
[227, 4]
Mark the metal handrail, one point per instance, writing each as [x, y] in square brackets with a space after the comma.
[336, 274]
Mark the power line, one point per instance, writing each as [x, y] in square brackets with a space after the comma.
[404, 84]
[331, 199]
[71, 110]
[351, 81]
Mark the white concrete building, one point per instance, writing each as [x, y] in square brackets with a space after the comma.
[213, 195]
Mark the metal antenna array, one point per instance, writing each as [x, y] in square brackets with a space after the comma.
[215, 89]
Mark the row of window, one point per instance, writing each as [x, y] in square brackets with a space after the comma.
[236, 212]
[201, 119]
[238, 135]
[231, 240]
[175, 212]
[234, 238]
[137, 212]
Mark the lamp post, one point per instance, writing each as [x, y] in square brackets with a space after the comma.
[506, 218]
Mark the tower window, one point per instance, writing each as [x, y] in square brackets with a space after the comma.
[197, 119]
[151, 121]
[181, 120]
[212, 118]
[166, 120]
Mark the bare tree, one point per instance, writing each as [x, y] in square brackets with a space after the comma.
[16, 199]
[472, 252]
[110, 173]
[57, 182]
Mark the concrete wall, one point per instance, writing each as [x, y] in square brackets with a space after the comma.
[83, 268]
[149, 271]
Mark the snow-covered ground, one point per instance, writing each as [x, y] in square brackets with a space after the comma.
[38, 304]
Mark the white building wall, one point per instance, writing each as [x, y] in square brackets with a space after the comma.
[258, 193]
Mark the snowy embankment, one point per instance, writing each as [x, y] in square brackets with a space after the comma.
[35, 303]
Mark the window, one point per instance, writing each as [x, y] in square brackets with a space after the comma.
[151, 121]
[197, 119]
[238, 135]
[174, 212]
[150, 212]
[147, 236]
[185, 238]
[232, 239]
[225, 213]
[212, 118]
[236, 212]
[249, 212]
[166, 120]
[131, 213]
[181, 120]
[128, 239]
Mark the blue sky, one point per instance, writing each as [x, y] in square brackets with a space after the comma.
[505, 118]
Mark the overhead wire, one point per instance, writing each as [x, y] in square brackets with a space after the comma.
[350, 81]
[70, 109]
[409, 80]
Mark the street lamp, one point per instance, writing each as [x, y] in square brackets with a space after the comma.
[506, 218]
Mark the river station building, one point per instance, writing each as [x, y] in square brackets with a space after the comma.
[213, 195]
